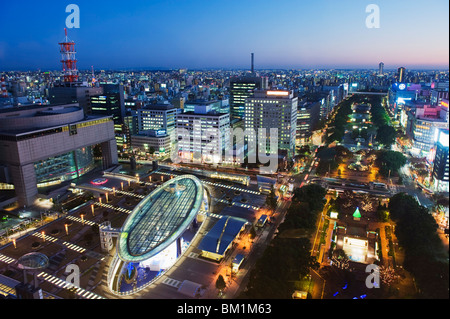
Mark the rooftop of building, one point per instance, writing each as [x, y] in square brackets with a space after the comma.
[201, 102]
[211, 113]
[86, 118]
[222, 234]
[160, 106]
[20, 110]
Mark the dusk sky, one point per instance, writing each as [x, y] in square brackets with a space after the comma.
[221, 34]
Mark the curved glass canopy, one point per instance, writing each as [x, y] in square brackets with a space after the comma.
[160, 218]
[33, 261]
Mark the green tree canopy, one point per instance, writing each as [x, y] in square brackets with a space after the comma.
[425, 255]
[386, 135]
[271, 199]
[390, 161]
[220, 283]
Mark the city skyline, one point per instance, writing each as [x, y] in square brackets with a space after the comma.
[202, 35]
[224, 150]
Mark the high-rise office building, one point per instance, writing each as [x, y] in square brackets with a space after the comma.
[423, 123]
[68, 93]
[401, 75]
[203, 135]
[441, 162]
[159, 117]
[112, 103]
[381, 68]
[273, 109]
[242, 88]
[307, 118]
[155, 128]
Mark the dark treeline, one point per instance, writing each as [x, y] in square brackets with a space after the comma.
[425, 256]
[287, 260]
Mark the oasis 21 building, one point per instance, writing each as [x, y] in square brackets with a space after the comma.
[157, 232]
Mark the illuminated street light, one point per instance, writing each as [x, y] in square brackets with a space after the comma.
[43, 235]
[66, 226]
[14, 242]
[121, 185]
[82, 218]
[92, 209]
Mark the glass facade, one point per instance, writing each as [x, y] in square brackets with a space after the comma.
[240, 90]
[65, 167]
[160, 218]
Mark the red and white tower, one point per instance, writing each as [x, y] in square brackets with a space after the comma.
[68, 60]
[4, 91]
[93, 77]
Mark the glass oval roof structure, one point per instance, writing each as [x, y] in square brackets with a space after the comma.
[33, 261]
[160, 218]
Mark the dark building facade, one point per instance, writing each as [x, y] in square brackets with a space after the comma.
[112, 103]
[242, 88]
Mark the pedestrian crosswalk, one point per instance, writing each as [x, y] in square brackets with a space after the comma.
[74, 247]
[120, 209]
[193, 255]
[236, 204]
[66, 285]
[82, 221]
[6, 259]
[243, 190]
[172, 282]
[45, 237]
[122, 192]
[204, 212]
[53, 239]
[233, 188]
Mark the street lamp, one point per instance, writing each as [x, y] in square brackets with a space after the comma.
[66, 226]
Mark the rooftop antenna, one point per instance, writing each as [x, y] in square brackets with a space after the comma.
[253, 63]
[4, 91]
[68, 59]
[93, 76]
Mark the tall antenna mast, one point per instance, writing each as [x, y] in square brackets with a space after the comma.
[93, 76]
[4, 91]
[253, 63]
[68, 59]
